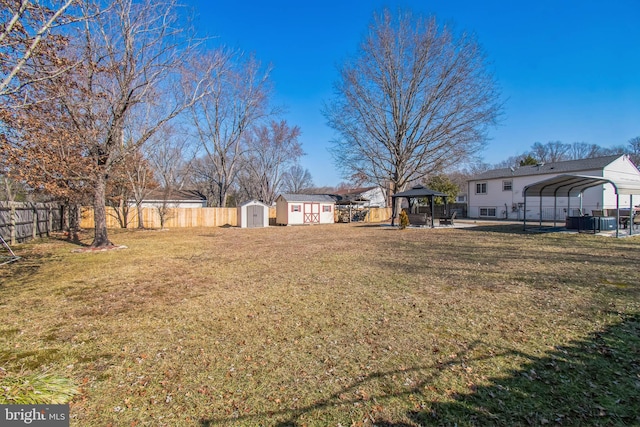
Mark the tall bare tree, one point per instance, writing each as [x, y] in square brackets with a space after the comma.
[127, 82]
[238, 99]
[415, 99]
[270, 151]
[296, 179]
[132, 58]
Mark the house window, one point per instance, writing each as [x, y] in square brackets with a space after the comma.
[481, 188]
[507, 185]
[489, 212]
[326, 208]
[296, 208]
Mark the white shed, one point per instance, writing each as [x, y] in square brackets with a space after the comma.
[294, 209]
[253, 214]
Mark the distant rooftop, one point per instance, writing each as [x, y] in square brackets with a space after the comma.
[549, 168]
[320, 198]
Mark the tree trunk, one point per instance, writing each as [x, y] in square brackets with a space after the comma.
[140, 217]
[74, 222]
[396, 203]
[124, 211]
[100, 238]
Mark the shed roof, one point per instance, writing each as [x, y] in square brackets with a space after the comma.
[253, 202]
[318, 198]
[568, 166]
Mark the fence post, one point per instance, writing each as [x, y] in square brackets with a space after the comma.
[34, 231]
[49, 219]
[12, 222]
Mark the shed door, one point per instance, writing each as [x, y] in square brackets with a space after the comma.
[311, 213]
[255, 216]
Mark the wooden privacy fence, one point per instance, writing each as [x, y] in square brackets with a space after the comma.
[378, 215]
[174, 218]
[196, 217]
[23, 221]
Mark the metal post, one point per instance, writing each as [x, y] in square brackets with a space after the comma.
[617, 214]
[581, 202]
[524, 216]
[630, 214]
[540, 212]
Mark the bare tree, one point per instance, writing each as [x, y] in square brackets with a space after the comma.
[296, 179]
[584, 150]
[171, 163]
[270, 151]
[415, 99]
[132, 56]
[634, 150]
[237, 100]
[140, 181]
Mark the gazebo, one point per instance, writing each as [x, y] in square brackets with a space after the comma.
[419, 192]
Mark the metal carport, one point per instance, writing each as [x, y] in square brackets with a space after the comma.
[573, 186]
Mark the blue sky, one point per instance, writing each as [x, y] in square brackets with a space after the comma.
[568, 70]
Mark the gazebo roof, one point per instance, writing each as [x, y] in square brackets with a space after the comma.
[420, 191]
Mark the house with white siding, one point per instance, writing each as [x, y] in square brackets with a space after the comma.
[172, 199]
[497, 193]
[369, 197]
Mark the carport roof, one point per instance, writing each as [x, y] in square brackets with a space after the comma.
[573, 185]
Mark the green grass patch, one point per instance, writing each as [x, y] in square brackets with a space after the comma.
[326, 325]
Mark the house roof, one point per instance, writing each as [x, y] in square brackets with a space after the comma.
[174, 195]
[549, 168]
[359, 190]
[320, 198]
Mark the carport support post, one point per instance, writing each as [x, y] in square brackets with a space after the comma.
[540, 211]
[631, 214]
[524, 216]
[617, 214]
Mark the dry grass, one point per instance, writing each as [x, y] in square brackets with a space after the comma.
[343, 324]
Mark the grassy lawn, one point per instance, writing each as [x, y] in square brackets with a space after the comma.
[344, 324]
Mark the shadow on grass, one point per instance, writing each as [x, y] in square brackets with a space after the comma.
[595, 381]
[509, 228]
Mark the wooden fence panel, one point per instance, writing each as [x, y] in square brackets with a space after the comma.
[23, 221]
[378, 215]
[175, 217]
[196, 217]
